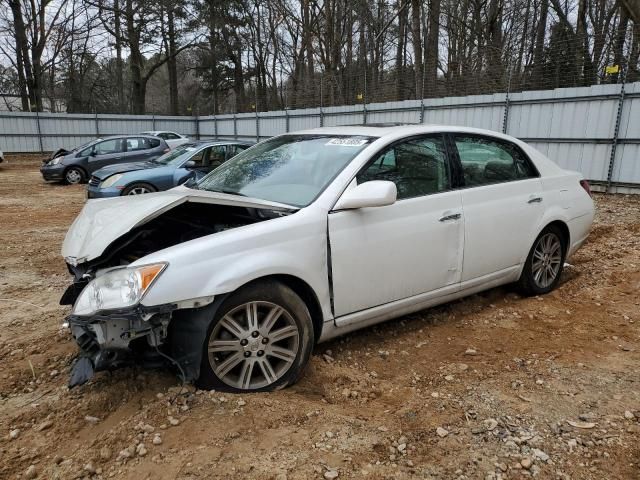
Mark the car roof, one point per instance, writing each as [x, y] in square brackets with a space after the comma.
[398, 130]
[219, 142]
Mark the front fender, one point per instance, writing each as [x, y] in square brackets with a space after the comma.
[223, 262]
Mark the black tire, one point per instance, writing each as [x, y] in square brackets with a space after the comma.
[139, 185]
[527, 284]
[75, 176]
[295, 312]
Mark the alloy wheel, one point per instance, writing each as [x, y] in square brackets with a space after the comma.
[253, 345]
[139, 191]
[546, 260]
[73, 176]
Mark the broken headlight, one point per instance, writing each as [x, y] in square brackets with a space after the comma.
[119, 288]
[111, 180]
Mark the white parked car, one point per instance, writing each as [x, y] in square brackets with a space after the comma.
[172, 139]
[310, 235]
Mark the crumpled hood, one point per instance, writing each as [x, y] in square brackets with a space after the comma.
[105, 172]
[102, 221]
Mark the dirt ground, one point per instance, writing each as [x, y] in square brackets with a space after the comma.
[493, 386]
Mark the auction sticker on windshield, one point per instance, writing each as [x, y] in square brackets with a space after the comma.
[347, 142]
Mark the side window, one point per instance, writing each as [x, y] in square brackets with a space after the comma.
[108, 146]
[170, 136]
[234, 150]
[216, 156]
[138, 143]
[199, 158]
[485, 161]
[418, 167]
[164, 136]
[154, 142]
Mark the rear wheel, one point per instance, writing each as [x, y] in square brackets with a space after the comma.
[139, 189]
[545, 262]
[260, 339]
[74, 175]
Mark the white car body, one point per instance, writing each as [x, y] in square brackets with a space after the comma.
[363, 265]
[172, 139]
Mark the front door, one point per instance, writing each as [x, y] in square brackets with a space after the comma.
[379, 255]
[106, 153]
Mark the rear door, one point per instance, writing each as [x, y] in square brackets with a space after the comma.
[105, 153]
[383, 254]
[502, 202]
[137, 149]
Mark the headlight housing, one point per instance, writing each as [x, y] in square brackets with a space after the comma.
[55, 161]
[118, 288]
[110, 180]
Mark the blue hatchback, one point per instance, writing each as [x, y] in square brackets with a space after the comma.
[191, 160]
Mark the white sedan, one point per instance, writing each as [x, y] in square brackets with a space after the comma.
[309, 235]
[172, 139]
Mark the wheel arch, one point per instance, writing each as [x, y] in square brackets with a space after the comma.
[304, 291]
[84, 170]
[138, 182]
[564, 228]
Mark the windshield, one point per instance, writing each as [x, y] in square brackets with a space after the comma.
[291, 169]
[80, 147]
[177, 155]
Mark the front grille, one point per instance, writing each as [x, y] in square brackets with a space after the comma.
[94, 181]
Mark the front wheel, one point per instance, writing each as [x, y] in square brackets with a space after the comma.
[139, 189]
[74, 175]
[542, 270]
[260, 339]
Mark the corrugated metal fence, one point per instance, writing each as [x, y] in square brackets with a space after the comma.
[595, 130]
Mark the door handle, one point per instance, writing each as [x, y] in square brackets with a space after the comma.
[453, 216]
[535, 200]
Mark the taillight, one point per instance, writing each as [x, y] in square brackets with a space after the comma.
[587, 188]
[166, 150]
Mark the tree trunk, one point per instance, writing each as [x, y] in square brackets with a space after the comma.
[136, 63]
[538, 51]
[172, 63]
[431, 47]
[22, 53]
[119, 64]
[417, 45]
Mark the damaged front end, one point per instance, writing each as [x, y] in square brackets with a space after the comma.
[109, 323]
[116, 339]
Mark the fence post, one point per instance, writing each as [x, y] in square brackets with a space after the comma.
[321, 93]
[215, 126]
[422, 110]
[286, 120]
[505, 116]
[95, 117]
[616, 131]
[197, 125]
[153, 121]
[39, 131]
[257, 125]
[364, 99]
[235, 127]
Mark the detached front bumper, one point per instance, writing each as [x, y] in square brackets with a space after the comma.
[52, 173]
[113, 339]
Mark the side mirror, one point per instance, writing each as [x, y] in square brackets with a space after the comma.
[375, 193]
[191, 181]
[92, 153]
[189, 164]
